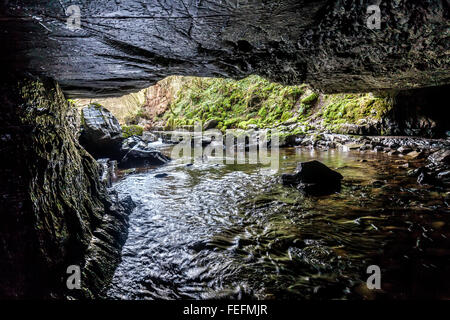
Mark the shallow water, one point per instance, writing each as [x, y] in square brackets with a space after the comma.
[232, 231]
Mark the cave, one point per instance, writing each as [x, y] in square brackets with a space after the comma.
[79, 182]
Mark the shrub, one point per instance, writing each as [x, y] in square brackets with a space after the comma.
[133, 130]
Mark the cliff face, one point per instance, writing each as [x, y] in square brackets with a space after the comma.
[54, 210]
[126, 45]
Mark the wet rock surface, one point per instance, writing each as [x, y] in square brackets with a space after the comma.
[313, 177]
[52, 201]
[136, 152]
[104, 252]
[123, 46]
[102, 137]
[100, 134]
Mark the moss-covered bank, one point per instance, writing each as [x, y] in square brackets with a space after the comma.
[257, 103]
[254, 102]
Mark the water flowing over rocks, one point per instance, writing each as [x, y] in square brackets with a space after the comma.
[127, 45]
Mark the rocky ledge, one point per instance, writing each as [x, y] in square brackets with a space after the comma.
[122, 46]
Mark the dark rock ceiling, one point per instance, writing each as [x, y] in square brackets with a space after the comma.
[123, 46]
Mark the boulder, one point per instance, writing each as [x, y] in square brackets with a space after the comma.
[127, 203]
[101, 134]
[440, 157]
[210, 124]
[136, 152]
[313, 177]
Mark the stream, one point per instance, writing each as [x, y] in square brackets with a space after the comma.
[212, 231]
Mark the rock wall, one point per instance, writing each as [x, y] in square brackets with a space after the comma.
[54, 209]
[419, 112]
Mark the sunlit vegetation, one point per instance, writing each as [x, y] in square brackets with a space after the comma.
[252, 102]
[132, 130]
[257, 103]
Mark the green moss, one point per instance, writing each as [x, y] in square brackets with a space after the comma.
[350, 108]
[233, 103]
[133, 130]
[256, 102]
[96, 105]
[310, 99]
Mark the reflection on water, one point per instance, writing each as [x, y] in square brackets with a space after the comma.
[232, 231]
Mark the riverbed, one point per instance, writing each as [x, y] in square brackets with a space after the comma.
[210, 231]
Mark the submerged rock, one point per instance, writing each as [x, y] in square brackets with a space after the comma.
[415, 155]
[101, 134]
[404, 150]
[313, 177]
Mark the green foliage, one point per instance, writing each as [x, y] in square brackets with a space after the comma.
[133, 130]
[235, 104]
[350, 108]
[255, 102]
